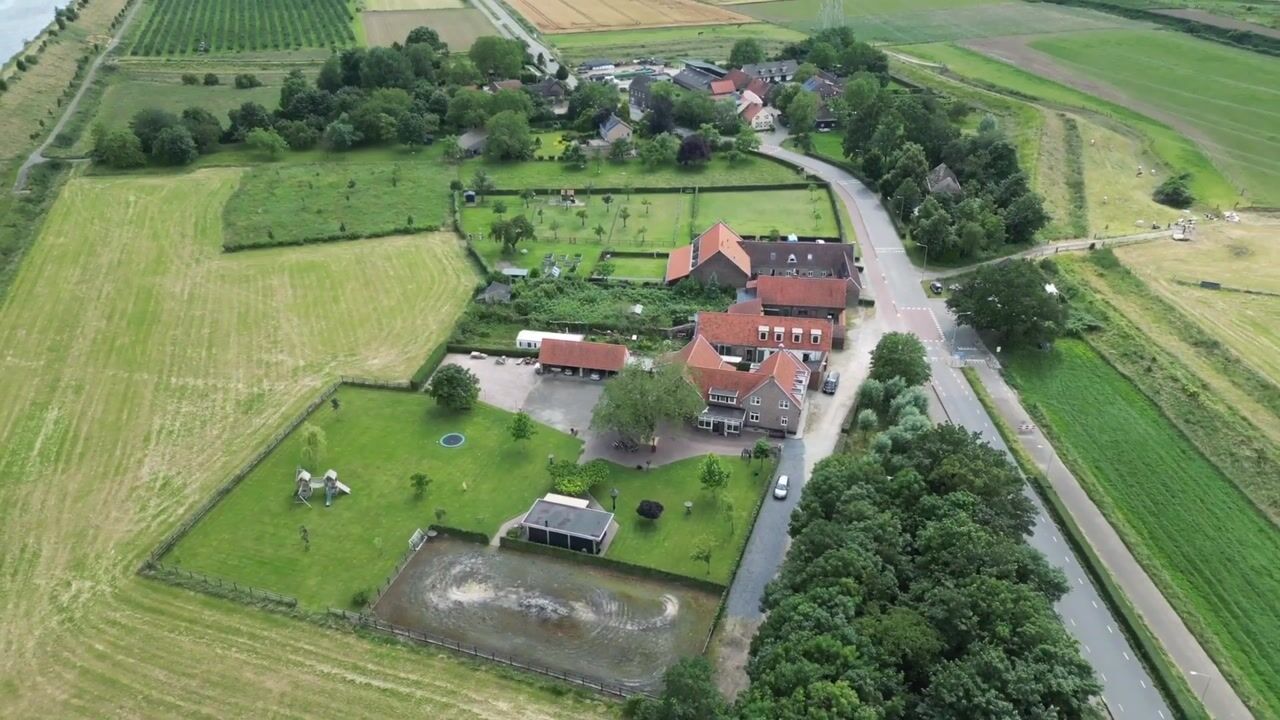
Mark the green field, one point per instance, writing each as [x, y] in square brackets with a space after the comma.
[914, 21]
[1173, 149]
[705, 41]
[751, 170]
[177, 27]
[665, 543]
[640, 268]
[141, 367]
[666, 222]
[127, 93]
[1228, 98]
[301, 202]
[376, 440]
[1212, 553]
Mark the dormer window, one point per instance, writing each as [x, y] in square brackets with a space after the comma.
[797, 336]
[816, 337]
[810, 257]
[791, 259]
[764, 332]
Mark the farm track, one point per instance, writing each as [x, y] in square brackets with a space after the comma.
[140, 366]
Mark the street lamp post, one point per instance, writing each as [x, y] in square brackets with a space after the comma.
[924, 269]
[1208, 681]
[613, 494]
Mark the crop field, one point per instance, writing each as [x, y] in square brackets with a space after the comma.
[919, 21]
[1243, 256]
[375, 440]
[1226, 13]
[1221, 97]
[1213, 554]
[298, 203]
[178, 27]
[559, 16]
[385, 5]
[459, 27]
[707, 41]
[141, 366]
[1169, 146]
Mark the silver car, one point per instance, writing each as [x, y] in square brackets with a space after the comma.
[780, 488]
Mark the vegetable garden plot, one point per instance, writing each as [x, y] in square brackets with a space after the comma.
[178, 27]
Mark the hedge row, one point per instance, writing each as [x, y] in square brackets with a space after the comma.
[459, 534]
[624, 567]
[491, 350]
[335, 237]
[428, 366]
[1167, 678]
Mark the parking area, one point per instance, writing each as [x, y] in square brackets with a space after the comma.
[561, 402]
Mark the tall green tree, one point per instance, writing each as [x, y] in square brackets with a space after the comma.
[497, 57]
[634, 402]
[900, 354]
[1010, 299]
[454, 387]
[712, 473]
[174, 146]
[509, 137]
[747, 51]
[802, 112]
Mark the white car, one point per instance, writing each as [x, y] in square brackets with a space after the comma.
[780, 488]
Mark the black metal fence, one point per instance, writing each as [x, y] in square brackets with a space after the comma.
[417, 636]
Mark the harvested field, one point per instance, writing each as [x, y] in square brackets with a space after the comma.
[457, 27]
[1244, 256]
[387, 5]
[563, 16]
[140, 367]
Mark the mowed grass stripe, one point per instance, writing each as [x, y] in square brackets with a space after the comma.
[1213, 554]
[140, 366]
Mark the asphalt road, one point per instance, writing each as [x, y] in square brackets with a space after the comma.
[902, 305]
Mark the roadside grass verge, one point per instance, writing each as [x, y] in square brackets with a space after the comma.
[1173, 685]
[376, 440]
[666, 543]
[1213, 554]
[1174, 149]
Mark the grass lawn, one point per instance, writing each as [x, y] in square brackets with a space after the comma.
[666, 543]
[757, 213]
[911, 21]
[752, 170]
[640, 268]
[1213, 554]
[1225, 94]
[141, 367]
[664, 223]
[375, 441]
[296, 202]
[704, 41]
[1172, 148]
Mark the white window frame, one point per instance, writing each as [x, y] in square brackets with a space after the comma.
[754, 417]
[728, 399]
[755, 399]
[783, 421]
[705, 423]
[791, 259]
[797, 337]
[784, 404]
[816, 338]
[777, 336]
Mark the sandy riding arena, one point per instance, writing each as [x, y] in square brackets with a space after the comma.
[563, 16]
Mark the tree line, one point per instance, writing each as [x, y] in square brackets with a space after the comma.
[908, 590]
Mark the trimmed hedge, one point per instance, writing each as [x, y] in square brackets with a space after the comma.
[465, 535]
[335, 237]
[637, 570]
[428, 366]
[1168, 679]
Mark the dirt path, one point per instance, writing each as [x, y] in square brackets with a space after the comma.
[37, 156]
